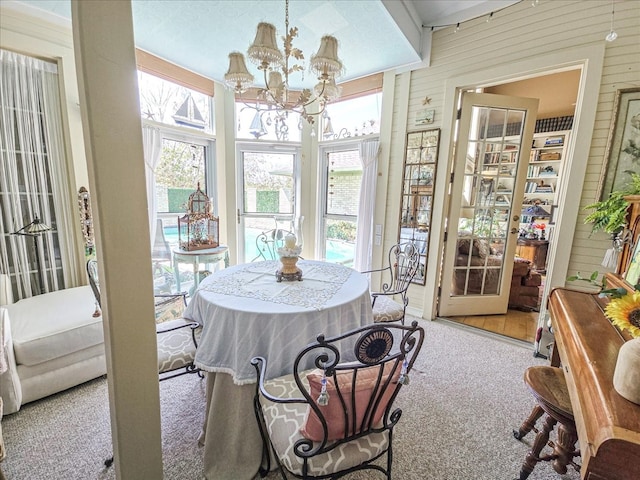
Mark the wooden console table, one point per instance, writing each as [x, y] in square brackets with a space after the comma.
[535, 251]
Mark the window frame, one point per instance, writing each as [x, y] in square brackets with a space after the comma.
[325, 149]
[194, 137]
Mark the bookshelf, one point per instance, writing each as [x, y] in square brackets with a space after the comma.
[541, 188]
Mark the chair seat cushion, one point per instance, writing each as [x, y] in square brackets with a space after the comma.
[175, 347]
[284, 421]
[386, 310]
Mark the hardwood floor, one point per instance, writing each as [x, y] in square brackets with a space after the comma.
[514, 324]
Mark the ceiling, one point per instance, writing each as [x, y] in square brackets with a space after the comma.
[374, 35]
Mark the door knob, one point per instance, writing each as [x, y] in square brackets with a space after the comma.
[514, 230]
[516, 218]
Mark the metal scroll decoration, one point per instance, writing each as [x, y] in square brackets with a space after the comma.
[374, 346]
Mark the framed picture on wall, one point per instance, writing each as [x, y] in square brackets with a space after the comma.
[623, 145]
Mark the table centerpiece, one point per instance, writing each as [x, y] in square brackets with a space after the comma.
[289, 255]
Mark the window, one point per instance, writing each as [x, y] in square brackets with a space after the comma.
[166, 102]
[186, 147]
[267, 124]
[184, 164]
[33, 176]
[342, 176]
[351, 118]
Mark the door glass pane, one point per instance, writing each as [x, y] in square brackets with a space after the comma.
[268, 182]
[487, 200]
[268, 197]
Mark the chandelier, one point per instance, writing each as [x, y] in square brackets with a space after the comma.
[276, 68]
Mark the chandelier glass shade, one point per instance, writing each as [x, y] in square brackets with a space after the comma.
[277, 66]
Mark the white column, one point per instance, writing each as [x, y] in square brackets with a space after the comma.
[105, 61]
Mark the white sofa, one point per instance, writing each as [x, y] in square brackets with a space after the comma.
[49, 343]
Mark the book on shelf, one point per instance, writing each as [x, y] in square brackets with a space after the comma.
[554, 141]
[548, 156]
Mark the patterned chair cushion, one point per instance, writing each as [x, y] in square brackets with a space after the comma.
[169, 308]
[284, 421]
[175, 347]
[386, 310]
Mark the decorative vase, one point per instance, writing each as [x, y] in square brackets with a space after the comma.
[289, 270]
[289, 265]
[626, 377]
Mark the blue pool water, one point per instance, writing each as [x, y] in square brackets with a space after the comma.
[337, 250]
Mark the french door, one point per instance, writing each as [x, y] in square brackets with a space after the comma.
[494, 139]
[268, 193]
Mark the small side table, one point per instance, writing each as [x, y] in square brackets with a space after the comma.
[535, 251]
[196, 257]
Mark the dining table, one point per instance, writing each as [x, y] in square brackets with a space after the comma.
[245, 312]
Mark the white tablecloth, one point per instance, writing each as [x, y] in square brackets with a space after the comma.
[245, 312]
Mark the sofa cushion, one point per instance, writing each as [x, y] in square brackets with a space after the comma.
[481, 248]
[54, 324]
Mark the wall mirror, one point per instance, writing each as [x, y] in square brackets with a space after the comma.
[420, 159]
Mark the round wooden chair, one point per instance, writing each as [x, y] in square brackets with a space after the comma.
[549, 388]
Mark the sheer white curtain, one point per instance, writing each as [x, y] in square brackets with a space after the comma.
[34, 179]
[152, 144]
[369, 158]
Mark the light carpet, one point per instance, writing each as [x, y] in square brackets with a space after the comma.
[465, 397]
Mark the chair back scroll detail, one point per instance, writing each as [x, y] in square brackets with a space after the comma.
[268, 242]
[403, 264]
[404, 260]
[360, 374]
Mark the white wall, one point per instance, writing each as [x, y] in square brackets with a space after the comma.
[515, 35]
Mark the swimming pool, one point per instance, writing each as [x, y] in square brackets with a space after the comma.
[338, 251]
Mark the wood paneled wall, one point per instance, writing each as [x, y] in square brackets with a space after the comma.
[514, 34]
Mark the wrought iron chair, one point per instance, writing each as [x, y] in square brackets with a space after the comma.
[337, 418]
[177, 337]
[267, 243]
[404, 261]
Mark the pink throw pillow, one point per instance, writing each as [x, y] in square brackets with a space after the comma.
[334, 413]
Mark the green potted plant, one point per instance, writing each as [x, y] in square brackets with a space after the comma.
[609, 215]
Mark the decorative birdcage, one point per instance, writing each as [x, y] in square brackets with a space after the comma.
[198, 228]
